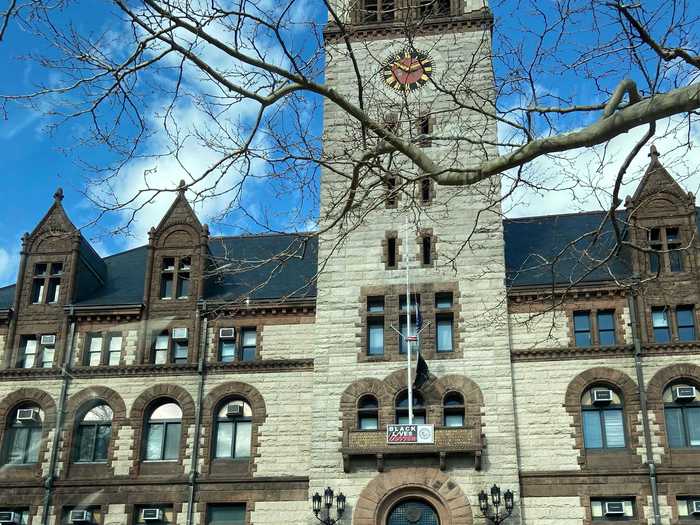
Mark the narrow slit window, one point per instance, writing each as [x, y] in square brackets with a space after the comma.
[425, 193]
[424, 128]
[659, 321]
[391, 191]
[391, 252]
[427, 249]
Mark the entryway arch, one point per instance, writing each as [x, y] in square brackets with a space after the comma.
[425, 495]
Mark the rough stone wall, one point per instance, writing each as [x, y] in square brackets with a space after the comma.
[546, 330]
[131, 347]
[3, 337]
[552, 511]
[270, 513]
[481, 324]
[288, 341]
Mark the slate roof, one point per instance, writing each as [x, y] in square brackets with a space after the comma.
[539, 251]
[562, 249]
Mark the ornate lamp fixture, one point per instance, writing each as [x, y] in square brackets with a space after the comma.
[493, 511]
[322, 506]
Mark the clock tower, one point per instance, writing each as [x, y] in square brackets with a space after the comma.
[422, 70]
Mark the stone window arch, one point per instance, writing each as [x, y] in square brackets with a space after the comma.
[626, 390]
[603, 421]
[162, 431]
[401, 405]
[76, 408]
[23, 435]
[25, 397]
[660, 398]
[142, 409]
[93, 434]
[389, 490]
[350, 402]
[246, 427]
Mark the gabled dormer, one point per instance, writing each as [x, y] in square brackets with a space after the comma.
[48, 267]
[177, 250]
[663, 221]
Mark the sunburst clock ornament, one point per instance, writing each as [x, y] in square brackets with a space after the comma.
[407, 70]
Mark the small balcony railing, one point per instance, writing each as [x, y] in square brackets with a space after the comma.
[449, 441]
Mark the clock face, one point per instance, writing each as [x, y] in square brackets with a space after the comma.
[408, 70]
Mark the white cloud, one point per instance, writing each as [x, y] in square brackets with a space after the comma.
[583, 179]
[9, 262]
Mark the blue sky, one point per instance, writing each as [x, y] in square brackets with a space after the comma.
[35, 162]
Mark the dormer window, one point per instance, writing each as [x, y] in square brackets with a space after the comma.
[666, 254]
[46, 283]
[175, 277]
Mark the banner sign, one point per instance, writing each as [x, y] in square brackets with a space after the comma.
[401, 434]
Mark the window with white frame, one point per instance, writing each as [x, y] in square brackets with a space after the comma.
[234, 426]
[36, 351]
[603, 419]
[170, 346]
[163, 432]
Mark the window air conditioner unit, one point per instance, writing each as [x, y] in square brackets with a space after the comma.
[179, 333]
[602, 395]
[234, 410]
[9, 518]
[614, 508]
[684, 393]
[79, 516]
[48, 340]
[227, 333]
[695, 506]
[26, 415]
[151, 514]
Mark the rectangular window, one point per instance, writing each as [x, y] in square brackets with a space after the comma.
[94, 354]
[47, 354]
[659, 321]
[391, 191]
[180, 351]
[592, 431]
[375, 305]
[166, 514]
[656, 245]
[228, 514]
[115, 349]
[375, 336]
[427, 250]
[28, 351]
[606, 328]
[166, 286]
[160, 349]
[443, 300]
[392, 255]
[424, 129]
[444, 333]
[614, 428]
[686, 506]
[425, 193]
[21, 515]
[183, 278]
[612, 509]
[685, 322]
[675, 255]
[227, 350]
[249, 343]
[582, 328]
[53, 291]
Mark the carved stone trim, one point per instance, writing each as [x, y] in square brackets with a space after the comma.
[389, 489]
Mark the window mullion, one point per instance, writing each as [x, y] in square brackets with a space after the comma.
[162, 440]
[603, 434]
[233, 440]
[686, 427]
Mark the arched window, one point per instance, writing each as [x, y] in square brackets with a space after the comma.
[453, 410]
[413, 512]
[368, 413]
[402, 408]
[93, 435]
[603, 419]
[23, 436]
[163, 430]
[234, 425]
[682, 413]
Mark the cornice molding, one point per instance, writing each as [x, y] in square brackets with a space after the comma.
[592, 352]
[475, 20]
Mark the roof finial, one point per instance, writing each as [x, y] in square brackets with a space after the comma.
[58, 196]
[654, 153]
[181, 187]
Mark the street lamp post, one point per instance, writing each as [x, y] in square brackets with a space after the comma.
[322, 506]
[493, 510]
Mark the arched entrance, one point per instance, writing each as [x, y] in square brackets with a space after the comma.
[413, 512]
[412, 496]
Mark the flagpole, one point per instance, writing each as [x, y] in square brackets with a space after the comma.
[408, 330]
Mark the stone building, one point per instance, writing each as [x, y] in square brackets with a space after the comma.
[218, 380]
